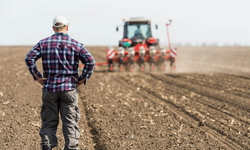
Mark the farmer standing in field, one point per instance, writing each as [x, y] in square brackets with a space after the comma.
[60, 59]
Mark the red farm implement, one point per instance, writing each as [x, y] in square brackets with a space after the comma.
[138, 48]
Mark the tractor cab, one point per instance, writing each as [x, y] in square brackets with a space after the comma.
[136, 30]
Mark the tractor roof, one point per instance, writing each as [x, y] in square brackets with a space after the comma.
[138, 19]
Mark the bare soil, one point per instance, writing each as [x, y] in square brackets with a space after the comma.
[204, 104]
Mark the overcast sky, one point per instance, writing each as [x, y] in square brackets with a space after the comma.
[93, 22]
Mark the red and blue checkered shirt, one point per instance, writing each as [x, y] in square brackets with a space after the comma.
[60, 59]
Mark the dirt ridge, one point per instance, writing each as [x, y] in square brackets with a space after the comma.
[229, 144]
[228, 98]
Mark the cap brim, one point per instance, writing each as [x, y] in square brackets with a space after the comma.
[61, 25]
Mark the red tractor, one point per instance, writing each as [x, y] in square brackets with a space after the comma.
[138, 46]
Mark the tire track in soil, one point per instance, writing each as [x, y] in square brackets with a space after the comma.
[211, 105]
[92, 132]
[195, 121]
[246, 130]
[241, 103]
[246, 121]
[219, 132]
[216, 102]
[232, 85]
[247, 77]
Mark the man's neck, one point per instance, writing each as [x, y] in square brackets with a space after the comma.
[61, 32]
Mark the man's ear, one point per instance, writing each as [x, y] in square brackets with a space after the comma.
[67, 27]
[54, 28]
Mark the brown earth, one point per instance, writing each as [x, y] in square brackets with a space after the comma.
[204, 104]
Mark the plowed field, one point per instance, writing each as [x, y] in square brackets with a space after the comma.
[204, 104]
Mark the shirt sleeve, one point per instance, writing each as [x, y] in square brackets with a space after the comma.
[89, 64]
[31, 58]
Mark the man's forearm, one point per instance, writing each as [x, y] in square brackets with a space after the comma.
[87, 72]
[30, 60]
[32, 68]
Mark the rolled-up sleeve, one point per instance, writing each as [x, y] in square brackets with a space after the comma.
[89, 64]
[31, 58]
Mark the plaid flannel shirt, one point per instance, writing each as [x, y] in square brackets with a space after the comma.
[60, 59]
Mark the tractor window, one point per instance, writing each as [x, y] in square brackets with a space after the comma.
[138, 31]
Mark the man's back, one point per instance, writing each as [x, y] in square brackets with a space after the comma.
[60, 59]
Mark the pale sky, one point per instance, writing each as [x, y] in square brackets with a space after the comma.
[93, 22]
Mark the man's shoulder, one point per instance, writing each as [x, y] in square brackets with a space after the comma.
[46, 39]
[76, 43]
[71, 41]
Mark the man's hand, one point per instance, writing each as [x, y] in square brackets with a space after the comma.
[79, 82]
[40, 80]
